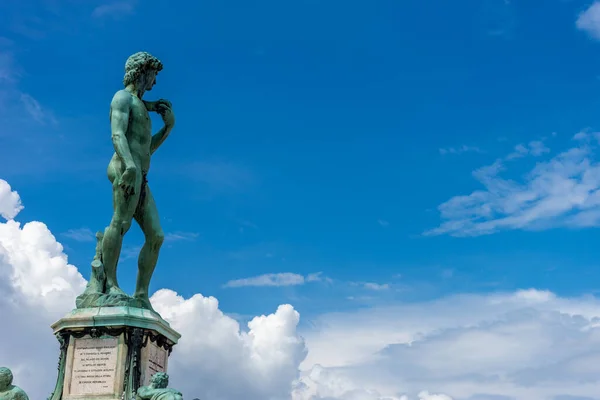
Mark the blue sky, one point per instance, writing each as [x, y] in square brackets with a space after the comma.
[313, 137]
[401, 198]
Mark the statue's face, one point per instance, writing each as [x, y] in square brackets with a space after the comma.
[150, 79]
[5, 379]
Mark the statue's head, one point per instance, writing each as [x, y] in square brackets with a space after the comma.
[142, 68]
[160, 380]
[6, 378]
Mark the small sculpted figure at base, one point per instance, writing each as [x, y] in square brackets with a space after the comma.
[8, 391]
[158, 389]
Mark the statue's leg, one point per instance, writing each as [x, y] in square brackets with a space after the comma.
[124, 208]
[147, 217]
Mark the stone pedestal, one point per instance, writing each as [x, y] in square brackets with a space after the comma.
[107, 353]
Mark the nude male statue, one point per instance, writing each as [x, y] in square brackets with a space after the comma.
[128, 169]
[158, 389]
[8, 391]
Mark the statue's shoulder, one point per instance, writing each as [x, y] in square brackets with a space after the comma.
[121, 98]
[18, 394]
[144, 392]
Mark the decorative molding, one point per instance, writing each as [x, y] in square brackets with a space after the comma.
[63, 340]
[135, 342]
[99, 331]
[160, 341]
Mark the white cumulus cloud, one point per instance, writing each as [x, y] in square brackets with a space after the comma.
[215, 359]
[528, 344]
[37, 286]
[10, 201]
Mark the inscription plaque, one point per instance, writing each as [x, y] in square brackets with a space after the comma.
[154, 359]
[94, 366]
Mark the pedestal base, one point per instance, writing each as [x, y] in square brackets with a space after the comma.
[107, 353]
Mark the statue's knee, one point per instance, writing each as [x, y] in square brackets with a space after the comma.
[157, 239]
[124, 227]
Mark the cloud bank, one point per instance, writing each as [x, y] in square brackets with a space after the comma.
[530, 344]
[215, 359]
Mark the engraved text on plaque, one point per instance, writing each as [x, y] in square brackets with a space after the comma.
[154, 359]
[94, 366]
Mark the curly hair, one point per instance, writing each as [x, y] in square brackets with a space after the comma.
[139, 63]
[160, 380]
[7, 375]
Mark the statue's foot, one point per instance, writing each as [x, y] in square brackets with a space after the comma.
[115, 291]
[144, 302]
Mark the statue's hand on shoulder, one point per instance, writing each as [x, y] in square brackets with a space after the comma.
[165, 109]
[127, 181]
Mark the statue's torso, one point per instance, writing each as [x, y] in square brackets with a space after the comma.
[139, 133]
[139, 136]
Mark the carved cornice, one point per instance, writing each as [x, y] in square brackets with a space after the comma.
[129, 331]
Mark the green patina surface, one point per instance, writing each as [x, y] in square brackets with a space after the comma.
[8, 391]
[128, 169]
[158, 390]
[116, 316]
